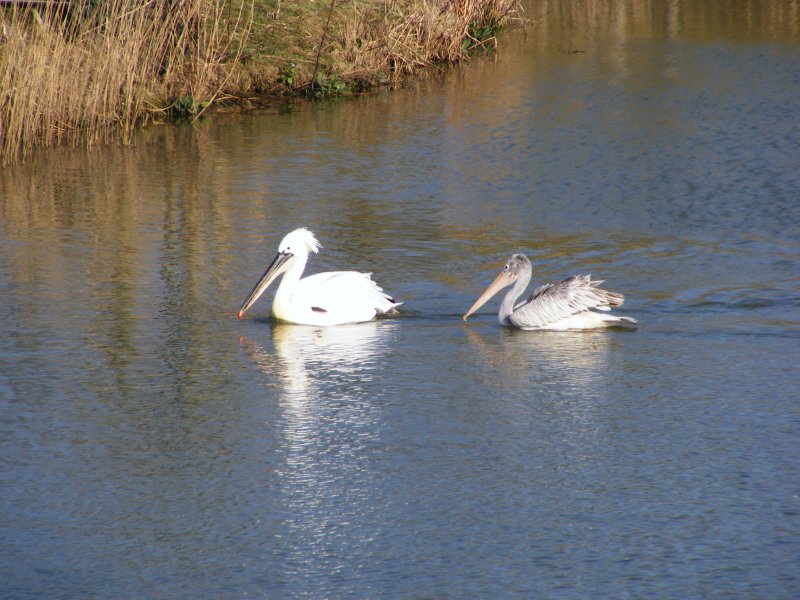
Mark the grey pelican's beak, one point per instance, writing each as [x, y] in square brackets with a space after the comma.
[504, 279]
[279, 264]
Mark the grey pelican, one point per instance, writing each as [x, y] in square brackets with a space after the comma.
[332, 298]
[573, 303]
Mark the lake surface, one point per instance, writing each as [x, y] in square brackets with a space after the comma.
[152, 445]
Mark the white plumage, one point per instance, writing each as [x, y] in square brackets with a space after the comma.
[331, 298]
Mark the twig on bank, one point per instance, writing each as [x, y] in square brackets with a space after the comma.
[322, 42]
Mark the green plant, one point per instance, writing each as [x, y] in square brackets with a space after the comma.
[286, 75]
[480, 32]
[186, 107]
[328, 85]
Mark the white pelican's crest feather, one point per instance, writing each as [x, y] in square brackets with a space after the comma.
[299, 238]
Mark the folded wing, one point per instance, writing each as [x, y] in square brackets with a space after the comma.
[554, 302]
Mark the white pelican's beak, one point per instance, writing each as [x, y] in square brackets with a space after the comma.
[504, 279]
[279, 265]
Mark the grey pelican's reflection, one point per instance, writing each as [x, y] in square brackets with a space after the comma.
[561, 377]
[560, 363]
[328, 387]
[578, 356]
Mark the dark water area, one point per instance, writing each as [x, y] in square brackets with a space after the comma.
[152, 445]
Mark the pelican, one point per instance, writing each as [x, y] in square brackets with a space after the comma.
[572, 303]
[330, 298]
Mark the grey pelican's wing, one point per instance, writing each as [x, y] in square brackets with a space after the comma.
[555, 301]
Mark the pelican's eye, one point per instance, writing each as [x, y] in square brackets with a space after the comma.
[505, 267]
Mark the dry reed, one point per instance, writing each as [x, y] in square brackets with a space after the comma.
[87, 71]
[389, 40]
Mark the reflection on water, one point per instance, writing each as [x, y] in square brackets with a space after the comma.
[307, 356]
[575, 358]
[330, 418]
[594, 22]
[322, 370]
[569, 371]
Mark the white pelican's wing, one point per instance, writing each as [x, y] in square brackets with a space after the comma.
[552, 303]
[341, 293]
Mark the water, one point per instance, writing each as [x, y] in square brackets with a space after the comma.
[152, 445]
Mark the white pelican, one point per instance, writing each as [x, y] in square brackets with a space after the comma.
[571, 303]
[330, 298]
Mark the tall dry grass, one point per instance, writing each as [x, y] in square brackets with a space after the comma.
[399, 38]
[366, 42]
[88, 70]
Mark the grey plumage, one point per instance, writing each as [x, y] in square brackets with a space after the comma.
[572, 303]
[552, 302]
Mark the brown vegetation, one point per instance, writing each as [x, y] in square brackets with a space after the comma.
[84, 71]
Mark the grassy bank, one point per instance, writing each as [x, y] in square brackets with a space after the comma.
[88, 71]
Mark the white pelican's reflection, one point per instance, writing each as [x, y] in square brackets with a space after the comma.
[306, 355]
[322, 365]
[313, 355]
[329, 389]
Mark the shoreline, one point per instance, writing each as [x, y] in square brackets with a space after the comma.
[79, 74]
